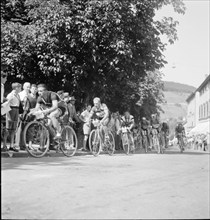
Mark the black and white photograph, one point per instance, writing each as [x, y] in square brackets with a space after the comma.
[105, 109]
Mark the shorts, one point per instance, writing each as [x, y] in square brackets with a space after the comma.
[56, 113]
[86, 128]
[62, 110]
[12, 118]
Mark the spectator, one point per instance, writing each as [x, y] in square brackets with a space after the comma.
[85, 115]
[3, 80]
[12, 115]
[61, 94]
[30, 103]
[66, 97]
[24, 94]
[72, 110]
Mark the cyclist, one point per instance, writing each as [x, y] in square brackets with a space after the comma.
[128, 121]
[48, 100]
[179, 131]
[145, 128]
[165, 130]
[155, 123]
[100, 111]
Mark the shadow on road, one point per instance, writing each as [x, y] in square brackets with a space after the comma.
[22, 162]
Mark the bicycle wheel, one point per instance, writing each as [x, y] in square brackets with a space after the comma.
[181, 145]
[126, 143]
[110, 144]
[69, 141]
[94, 142]
[145, 143]
[162, 143]
[156, 144]
[36, 139]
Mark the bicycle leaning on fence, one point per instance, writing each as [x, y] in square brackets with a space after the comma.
[38, 136]
[97, 143]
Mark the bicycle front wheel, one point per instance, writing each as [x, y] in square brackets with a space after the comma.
[156, 144]
[110, 144]
[126, 143]
[94, 143]
[69, 141]
[36, 139]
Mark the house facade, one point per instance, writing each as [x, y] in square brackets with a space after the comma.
[198, 108]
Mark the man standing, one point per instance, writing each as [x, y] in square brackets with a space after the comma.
[29, 103]
[85, 115]
[13, 115]
[72, 110]
[24, 94]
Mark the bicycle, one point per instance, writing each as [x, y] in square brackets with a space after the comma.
[181, 142]
[38, 135]
[162, 141]
[96, 142]
[127, 139]
[144, 140]
[155, 141]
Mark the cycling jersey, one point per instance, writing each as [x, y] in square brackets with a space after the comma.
[127, 121]
[48, 97]
[179, 129]
[144, 125]
[165, 127]
[155, 123]
[99, 113]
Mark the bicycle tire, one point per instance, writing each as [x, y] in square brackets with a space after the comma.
[68, 145]
[181, 145]
[156, 144]
[126, 143]
[94, 143]
[145, 144]
[111, 146]
[36, 146]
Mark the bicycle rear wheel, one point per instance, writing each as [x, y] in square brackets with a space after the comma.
[94, 143]
[110, 144]
[145, 143]
[69, 141]
[126, 143]
[36, 139]
[156, 144]
[181, 145]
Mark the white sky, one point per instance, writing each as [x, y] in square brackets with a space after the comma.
[188, 58]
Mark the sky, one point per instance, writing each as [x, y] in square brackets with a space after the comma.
[188, 57]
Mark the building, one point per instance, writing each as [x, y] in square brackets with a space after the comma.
[198, 109]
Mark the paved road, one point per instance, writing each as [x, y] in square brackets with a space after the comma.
[171, 185]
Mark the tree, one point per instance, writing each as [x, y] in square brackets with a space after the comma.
[89, 48]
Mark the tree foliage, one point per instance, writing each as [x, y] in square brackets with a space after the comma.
[104, 48]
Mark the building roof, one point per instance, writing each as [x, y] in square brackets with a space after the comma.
[191, 96]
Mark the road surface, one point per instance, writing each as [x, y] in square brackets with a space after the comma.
[171, 185]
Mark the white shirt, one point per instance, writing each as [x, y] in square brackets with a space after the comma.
[2, 92]
[13, 99]
[85, 115]
[23, 94]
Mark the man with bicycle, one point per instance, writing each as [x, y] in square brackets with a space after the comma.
[48, 101]
[155, 123]
[179, 132]
[127, 120]
[100, 111]
[145, 130]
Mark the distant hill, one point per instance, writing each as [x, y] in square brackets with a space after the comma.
[175, 95]
[178, 87]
